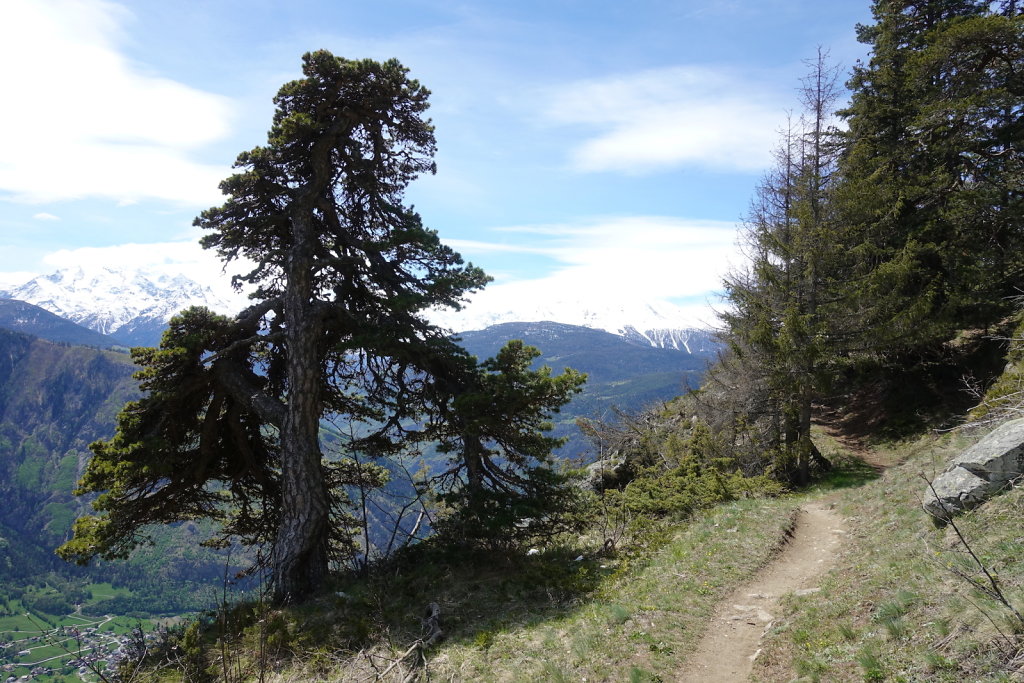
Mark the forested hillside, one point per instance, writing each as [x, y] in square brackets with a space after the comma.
[884, 248]
[55, 399]
[886, 254]
[620, 375]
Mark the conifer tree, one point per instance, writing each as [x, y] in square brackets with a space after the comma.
[343, 272]
[782, 319]
[932, 168]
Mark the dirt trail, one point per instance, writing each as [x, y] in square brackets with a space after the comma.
[732, 641]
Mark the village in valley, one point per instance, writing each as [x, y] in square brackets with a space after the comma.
[73, 647]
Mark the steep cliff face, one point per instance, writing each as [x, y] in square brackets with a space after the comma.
[54, 400]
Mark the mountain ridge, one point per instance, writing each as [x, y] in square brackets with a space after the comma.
[131, 304]
[134, 305]
[654, 323]
[621, 373]
[21, 316]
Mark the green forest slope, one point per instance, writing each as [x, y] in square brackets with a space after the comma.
[55, 399]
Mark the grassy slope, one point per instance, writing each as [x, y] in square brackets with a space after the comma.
[891, 610]
[637, 625]
[894, 608]
[632, 619]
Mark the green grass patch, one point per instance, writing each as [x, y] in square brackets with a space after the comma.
[894, 608]
[17, 624]
[104, 591]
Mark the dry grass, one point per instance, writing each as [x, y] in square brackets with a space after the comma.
[642, 617]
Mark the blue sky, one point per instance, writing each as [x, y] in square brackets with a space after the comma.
[587, 146]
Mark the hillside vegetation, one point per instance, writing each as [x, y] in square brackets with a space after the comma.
[885, 262]
[901, 602]
[55, 399]
[619, 372]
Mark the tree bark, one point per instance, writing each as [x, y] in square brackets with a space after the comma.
[805, 447]
[300, 549]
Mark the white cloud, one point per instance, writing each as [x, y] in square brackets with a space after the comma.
[633, 258]
[14, 278]
[656, 256]
[664, 118]
[623, 262]
[45, 217]
[479, 247]
[81, 120]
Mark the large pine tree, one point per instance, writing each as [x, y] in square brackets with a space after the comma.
[343, 272]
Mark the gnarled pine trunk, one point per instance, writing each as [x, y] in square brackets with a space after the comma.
[300, 549]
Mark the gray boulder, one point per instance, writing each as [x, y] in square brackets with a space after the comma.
[610, 473]
[979, 472]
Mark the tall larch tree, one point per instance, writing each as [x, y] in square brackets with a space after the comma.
[783, 307]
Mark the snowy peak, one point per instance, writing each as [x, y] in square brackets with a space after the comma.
[119, 301]
[134, 305]
[692, 341]
[656, 323]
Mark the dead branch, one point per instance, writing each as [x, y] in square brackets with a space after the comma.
[432, 633]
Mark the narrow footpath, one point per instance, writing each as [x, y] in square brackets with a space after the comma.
[732, 641]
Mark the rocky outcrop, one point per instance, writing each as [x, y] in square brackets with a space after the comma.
[610, 473]
[979, 472]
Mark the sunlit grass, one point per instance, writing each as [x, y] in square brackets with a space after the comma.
[892, 609]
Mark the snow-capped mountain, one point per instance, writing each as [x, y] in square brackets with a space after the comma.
[129, 304]
[695, 341]
[659, 323]
[134, 305]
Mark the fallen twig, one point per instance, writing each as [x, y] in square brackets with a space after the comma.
[432, 634]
